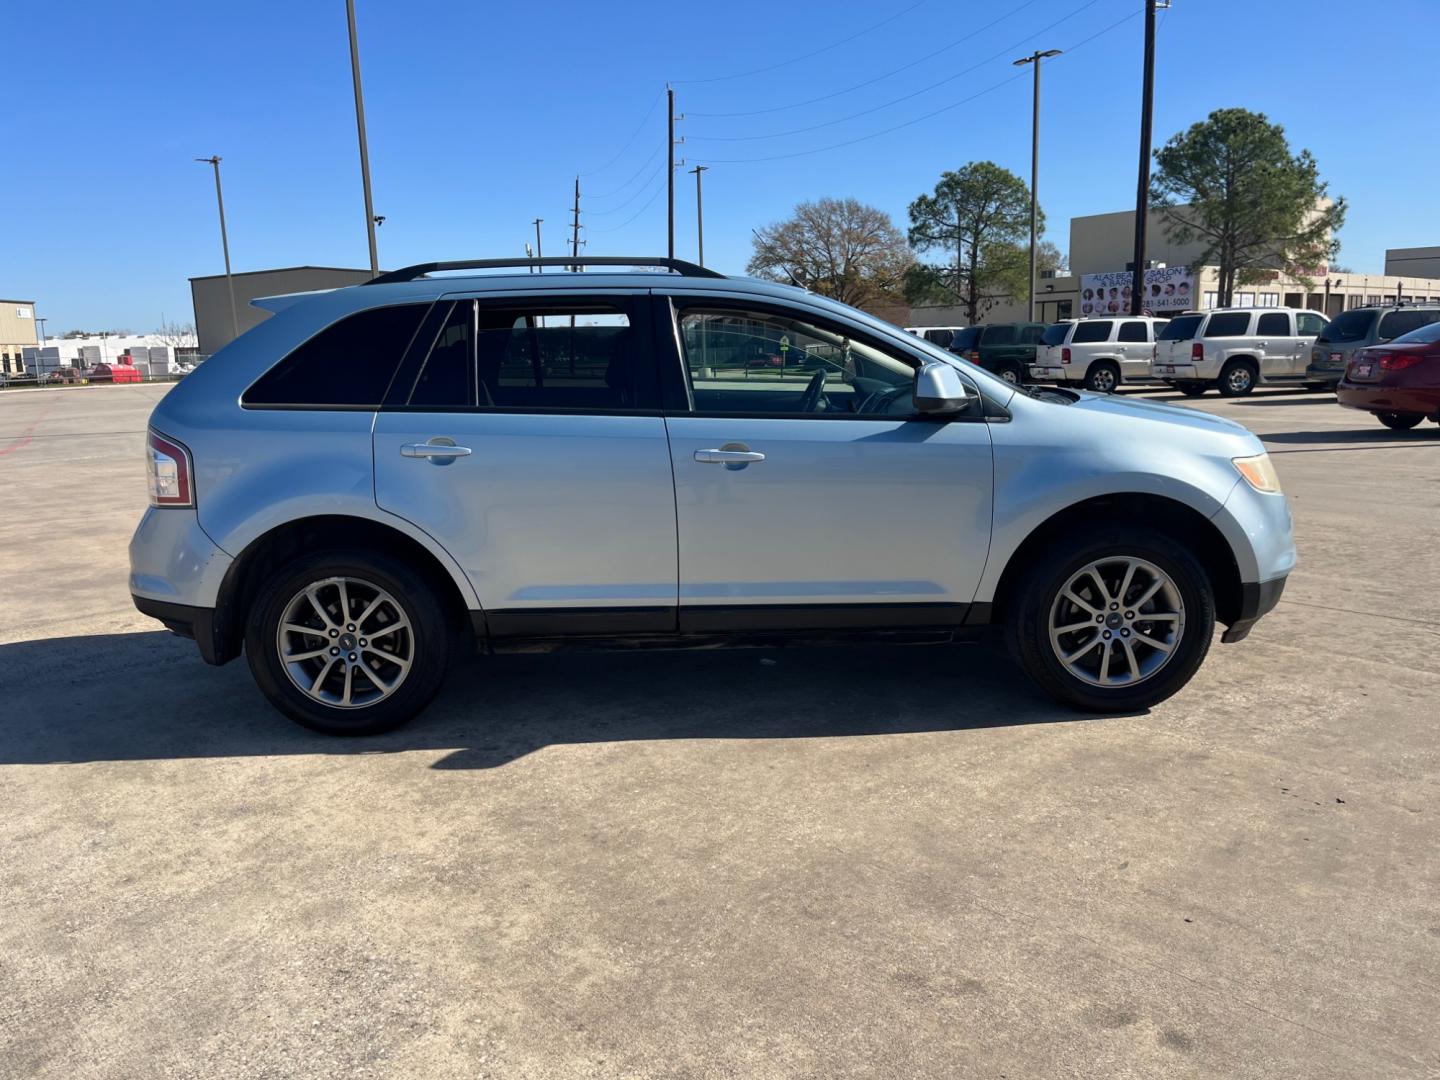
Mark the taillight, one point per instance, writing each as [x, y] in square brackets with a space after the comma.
[975, 354]
[1399, 361]
[1197, 351]
[1065, 356]
[172, 480]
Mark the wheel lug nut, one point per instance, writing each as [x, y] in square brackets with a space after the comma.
[1114, 607]
[363, 643]
[1124, 633]
[1100, 618]
[351, 628]
[1107, 635]
[334, 652]
[352, 657]
[334, 633]
[1129, 614]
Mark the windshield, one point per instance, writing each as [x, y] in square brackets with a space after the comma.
[1181, 328]
[1055, 335]
[966, 339]
[1347, 327]
[1426, 335]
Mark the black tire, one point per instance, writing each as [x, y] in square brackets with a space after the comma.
[1192, 389]
[432, 642]
[1398, 421]
[1028, 610]
[1012, 374]
[1316, 387]
[1102, 377]
[1237, 378]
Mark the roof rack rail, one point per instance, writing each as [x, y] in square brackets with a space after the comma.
[410, 273]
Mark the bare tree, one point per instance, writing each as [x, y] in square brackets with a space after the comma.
[839, 248]
[177, 335]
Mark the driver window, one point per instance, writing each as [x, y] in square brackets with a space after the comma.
[761, 362]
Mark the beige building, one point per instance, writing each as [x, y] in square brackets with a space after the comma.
[17, 332]
[1103, 244]
[211, 297]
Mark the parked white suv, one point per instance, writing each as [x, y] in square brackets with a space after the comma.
[1101, 353]
[1234, 349]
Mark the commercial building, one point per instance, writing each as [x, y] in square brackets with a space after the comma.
[1099, 279]
[211, 297]
[17, 333]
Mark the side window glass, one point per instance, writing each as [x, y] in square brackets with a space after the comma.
[1396, 323]
[1031, 335]
[1132, 331]
[762, 362]
[1276, 323]
[1091, 330]
[1308, 324]
[447, 380]
[583, 358]
[347, 365]
[1228, 324]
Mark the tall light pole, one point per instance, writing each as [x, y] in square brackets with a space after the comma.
[1142, 188]
[364, 145]
[1034, 58]
[699, 213]
[539, 251]
[214, 160]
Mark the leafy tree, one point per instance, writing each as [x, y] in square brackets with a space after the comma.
[839, 248]
[979, 216]
[1231, 183]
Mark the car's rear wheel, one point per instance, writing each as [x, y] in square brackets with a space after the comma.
[1192, 389]
[1116, 623]
[1011, 375]
[1399, 421]
[1102, 378]
[348, 643]
[1237, 378]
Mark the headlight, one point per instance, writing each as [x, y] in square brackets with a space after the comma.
[1259, 473]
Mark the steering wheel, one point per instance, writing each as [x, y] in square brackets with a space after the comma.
[810, 400]
[885, 402]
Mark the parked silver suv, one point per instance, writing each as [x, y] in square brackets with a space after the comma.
[379, 478]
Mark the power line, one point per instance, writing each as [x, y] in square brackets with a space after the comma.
[635, 195]
[630, 141]
[906, 97]
[877, 78]
[789, 61]
[648, 203]
[648, 162]
[909, 123]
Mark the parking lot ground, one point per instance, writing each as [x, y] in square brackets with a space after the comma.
[797, 863]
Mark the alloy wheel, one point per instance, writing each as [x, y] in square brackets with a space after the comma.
[1239, 379]
[345, 642]
[1116, 622]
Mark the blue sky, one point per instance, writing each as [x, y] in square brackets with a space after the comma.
[480, 114]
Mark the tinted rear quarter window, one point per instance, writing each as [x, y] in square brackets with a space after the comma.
[1004, 334]
[1395, 323]
[1132, 331]
[1181, 328]
[347, 365]
[1348, 327]
[1229, 324]
[1092, 330]
[1274, 322]
[1425, 335]
[1055, 335]
[966, 339]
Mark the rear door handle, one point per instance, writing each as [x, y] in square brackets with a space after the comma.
[728, 457]
[446, 451]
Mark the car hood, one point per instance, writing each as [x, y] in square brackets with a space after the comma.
[1159, 412]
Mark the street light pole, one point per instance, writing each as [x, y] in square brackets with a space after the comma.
[699, 213]
[364, 145]
[539, 251]
[1034, 58]
[214, 161]
[1142, 189]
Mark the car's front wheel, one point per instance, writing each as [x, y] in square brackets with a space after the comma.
[1399, 421]
[348, 643]
[1116, 623]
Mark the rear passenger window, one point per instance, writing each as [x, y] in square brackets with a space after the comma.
[348, 365]
[1309, 323]
[1274, 322]
[1228, 324]
[1032, 335]
[1132, 331]
[1004, 334]
[1091, 330]
[1396, 323]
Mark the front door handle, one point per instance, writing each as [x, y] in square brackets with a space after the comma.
[446, 451]
[728, 457]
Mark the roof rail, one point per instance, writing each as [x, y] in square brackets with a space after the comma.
[410, 273]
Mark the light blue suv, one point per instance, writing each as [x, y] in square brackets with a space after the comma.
[381, 478]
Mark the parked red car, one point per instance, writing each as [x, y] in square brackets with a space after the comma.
[1399, 382]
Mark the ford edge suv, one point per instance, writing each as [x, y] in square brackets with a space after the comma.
[378, 479]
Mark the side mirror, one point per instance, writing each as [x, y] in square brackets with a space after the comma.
[939, 389]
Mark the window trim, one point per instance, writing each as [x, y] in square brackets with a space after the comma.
[679, 302]
[633, 305]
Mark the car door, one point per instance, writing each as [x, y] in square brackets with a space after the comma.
[524, 433]
[1132, 346]
[819, 501]
[1277, 342]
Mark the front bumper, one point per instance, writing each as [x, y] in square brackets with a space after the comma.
[1256, 599]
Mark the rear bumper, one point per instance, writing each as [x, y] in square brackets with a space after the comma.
[1400, 399]
[197, 623]
[1327, 375]
[1256, 600]
[1166, 372]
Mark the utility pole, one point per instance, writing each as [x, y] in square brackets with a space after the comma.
[670, 171]
[1142, 189]
[539, 251]
[699, 213]
[214, 160]
[575, 230]
[1034, 58]
[364, 145]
